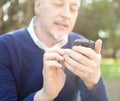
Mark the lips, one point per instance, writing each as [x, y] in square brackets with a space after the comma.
[62, 25]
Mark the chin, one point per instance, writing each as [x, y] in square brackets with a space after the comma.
[59, 36]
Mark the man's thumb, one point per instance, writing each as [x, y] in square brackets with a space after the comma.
[98, 46]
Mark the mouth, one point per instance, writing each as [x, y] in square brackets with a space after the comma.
[62, 26]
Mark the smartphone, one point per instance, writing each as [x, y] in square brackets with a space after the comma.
[85, 43]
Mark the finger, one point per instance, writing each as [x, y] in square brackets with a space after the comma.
[98, 46]
[79, 57]
[73, 65]
[88, 52]
[84, 73]
[55, 49]
[77, 71]
[51, 64]
[53, 56]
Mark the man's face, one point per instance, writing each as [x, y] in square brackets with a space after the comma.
[57, 17]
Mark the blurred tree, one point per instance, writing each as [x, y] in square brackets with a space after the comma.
[29, 12]
[95, 17]
[15, 14]
[114, 38]
[1, 15]
[101, 16]
[1, 18]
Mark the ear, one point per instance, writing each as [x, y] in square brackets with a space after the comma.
[37, 7]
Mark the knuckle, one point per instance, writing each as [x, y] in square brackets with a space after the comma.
[79, 58]
[86, 76]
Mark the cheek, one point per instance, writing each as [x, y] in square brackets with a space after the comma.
[49, 16]
[46, 18]
[46, 13]
[73, 21]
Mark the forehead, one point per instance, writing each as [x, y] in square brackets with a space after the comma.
[71, 1]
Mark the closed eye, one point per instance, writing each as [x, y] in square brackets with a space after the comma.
[58, 3]
[74, 8]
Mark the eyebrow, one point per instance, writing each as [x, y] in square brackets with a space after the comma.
[73, 3]
[58, 0]
[77, 3]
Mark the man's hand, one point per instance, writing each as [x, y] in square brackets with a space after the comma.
[85, 62]
[53, 74]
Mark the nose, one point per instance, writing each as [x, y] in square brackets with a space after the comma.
[66, 11]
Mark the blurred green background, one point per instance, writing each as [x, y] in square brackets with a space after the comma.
[96, 19]
[111, 72]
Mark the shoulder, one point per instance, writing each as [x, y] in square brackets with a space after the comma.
[71, 39]
[13, 35]
[14, 39]
[74, 36]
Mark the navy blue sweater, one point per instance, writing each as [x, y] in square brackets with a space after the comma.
[21, 64]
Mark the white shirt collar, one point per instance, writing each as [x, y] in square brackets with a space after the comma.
[39, 43]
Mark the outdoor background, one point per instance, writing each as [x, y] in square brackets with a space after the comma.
[96, 19]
